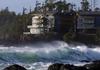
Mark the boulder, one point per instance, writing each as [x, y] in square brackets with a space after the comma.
[55, 66]
[95, 65]
[66, 67]
[15, 67]
[72, 67]
[79, 68]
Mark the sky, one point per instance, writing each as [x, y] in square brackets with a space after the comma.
[17, 5]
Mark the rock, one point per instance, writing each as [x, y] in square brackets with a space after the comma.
[95, 65]
[14, 67]
[72, 67]
[66, 67]
[79, 68]
[55, 66]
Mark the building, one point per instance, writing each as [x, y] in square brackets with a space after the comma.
[88, 27]
[88, 22]
[36, 27]
[65, 22]
[41, 24]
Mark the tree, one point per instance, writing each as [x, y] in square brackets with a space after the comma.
[85, 5]
[62, 6]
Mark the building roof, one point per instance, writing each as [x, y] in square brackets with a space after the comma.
[65, 13]
[90, 13]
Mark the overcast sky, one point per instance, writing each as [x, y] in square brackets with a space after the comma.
[17, 5]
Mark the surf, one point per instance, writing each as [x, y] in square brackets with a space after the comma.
[41, 55]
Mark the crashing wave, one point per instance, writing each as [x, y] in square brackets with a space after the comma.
[43, 53]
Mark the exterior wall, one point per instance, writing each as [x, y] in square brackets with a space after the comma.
[50, 21]
[65, 22]
[41, 24]
[36, 20]
[57, 23]
[97, 22]
[86, 22]
[36, 31]
[36, 26]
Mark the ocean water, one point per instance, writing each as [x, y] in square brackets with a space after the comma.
[39, 56]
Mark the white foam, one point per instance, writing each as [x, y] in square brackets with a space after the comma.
[40, 56]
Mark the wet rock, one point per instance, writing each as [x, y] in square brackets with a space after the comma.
[72, 67]
[79, 68]
[66, 67]
[55, 66]
[95, 65]
[15, 67]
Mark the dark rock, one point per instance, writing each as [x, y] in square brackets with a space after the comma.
[95, 65]
[55, 66]
[15, 67]
[72, 67]
[79, 68]
[66, 67]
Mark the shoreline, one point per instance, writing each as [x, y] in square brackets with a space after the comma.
[31, 42]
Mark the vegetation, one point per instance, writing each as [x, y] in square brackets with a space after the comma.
[68, 37]
[12, 26]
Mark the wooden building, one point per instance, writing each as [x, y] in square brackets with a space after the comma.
[65, 22]
[88, 22]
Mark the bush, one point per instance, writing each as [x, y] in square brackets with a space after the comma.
[69, 36]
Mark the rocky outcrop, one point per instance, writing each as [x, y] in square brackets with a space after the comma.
[55, 66]
[65, 67]
[15, 67]
[95, 65]
[72, 67]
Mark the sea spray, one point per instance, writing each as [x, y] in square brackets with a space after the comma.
[39, 56]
